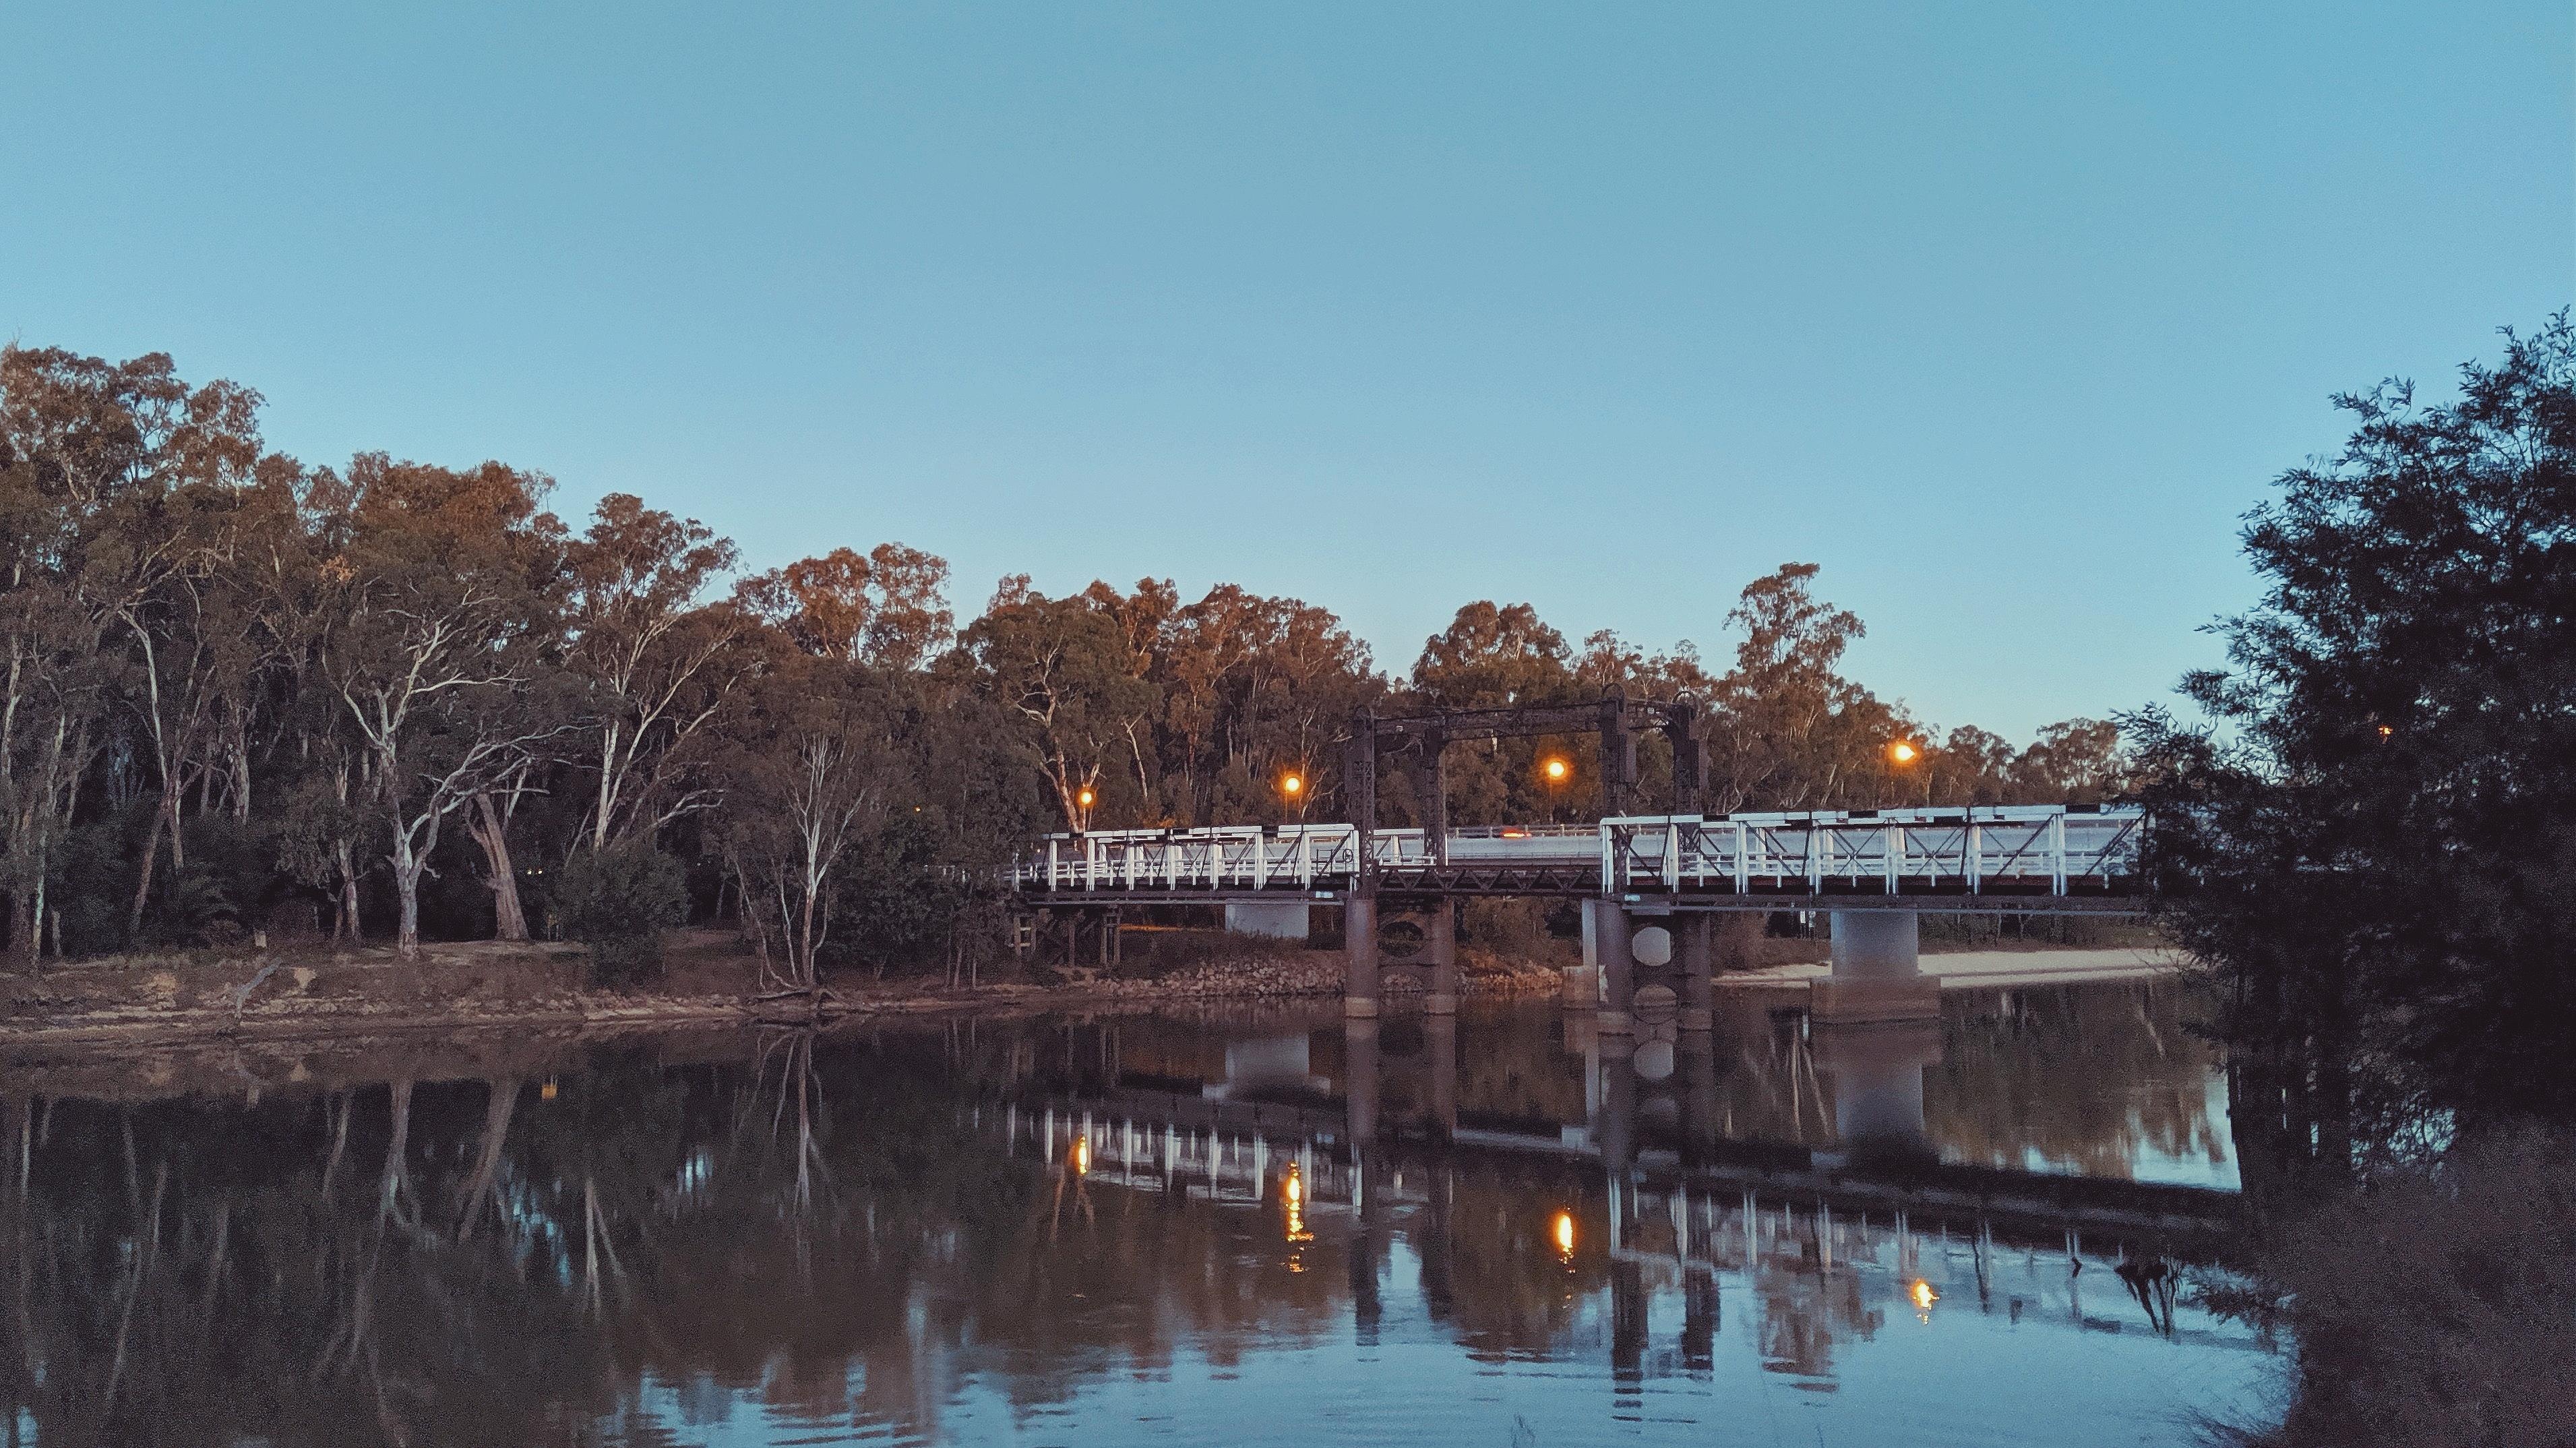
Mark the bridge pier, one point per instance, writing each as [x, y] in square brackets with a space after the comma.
[1613, 946]
[1697, 954]
[1878, 973]
[1359, 957]
[1443, 925]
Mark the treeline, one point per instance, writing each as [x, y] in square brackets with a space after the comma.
[244, 694]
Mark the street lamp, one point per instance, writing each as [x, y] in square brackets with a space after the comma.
[1556, 769]
[1903, 752]
[1082, 798]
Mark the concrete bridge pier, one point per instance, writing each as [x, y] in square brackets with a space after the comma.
[1359, 957]
[1613, 945]
[1878, 973]
[1443, 927]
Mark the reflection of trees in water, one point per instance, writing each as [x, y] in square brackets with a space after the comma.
[2082, 1077]
[825, 1229]
[818, 1230]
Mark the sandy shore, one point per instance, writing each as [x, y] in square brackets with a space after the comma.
[1989, 969]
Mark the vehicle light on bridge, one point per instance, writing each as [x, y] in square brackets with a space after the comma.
[1563, 1230]
[1921, 1294]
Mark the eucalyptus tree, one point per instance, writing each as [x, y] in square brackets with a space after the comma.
[812, 768]
[660, 660]
[105, 472]
[1062, 665]
[446, 592]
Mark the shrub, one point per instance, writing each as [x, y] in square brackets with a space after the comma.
[618, 901]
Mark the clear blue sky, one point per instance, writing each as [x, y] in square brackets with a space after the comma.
[2002, 314]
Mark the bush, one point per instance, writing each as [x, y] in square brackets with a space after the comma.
[618, 901]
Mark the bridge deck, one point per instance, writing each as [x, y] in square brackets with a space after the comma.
[2009, 858]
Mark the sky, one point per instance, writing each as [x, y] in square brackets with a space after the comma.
[2003, 315]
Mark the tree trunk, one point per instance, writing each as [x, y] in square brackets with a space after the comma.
[161, 815]
[347, 923]
[489, 829]
[407, 873]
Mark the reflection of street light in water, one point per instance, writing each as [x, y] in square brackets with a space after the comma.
[1293, 1192]
[1921, 1294]
[1562, 1229]
[1081, 1157]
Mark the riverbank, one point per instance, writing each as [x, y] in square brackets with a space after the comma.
[327, 993]
[481, 985]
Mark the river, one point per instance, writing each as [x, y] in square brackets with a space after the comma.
[1245, 1225]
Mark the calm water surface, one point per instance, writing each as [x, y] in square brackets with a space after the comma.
[1239, 1227]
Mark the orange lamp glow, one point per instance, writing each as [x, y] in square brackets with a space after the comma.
[1922, 1295]
[1085, 798]
[1293, 786]
[1563, 1231]
[1903, 752]
[1081, 1156]
[1556, 770]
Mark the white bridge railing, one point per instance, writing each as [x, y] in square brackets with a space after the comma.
[1930, 849]
[2025, 848]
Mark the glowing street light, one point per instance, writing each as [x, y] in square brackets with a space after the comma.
[1085, 797]
[1292, 785]
[1555, 768]
[1903, 752]
[1563, 1231]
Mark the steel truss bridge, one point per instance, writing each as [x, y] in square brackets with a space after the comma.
[2008, 858]
[1874, 872]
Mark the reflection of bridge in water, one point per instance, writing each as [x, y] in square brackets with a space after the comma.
[1645, 1189]
[1657, 1177]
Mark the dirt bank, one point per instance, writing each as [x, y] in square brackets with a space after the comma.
[370, 991]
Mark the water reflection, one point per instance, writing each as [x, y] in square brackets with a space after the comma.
[1242, 1228]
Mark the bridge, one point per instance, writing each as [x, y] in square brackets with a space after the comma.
[1649, 883]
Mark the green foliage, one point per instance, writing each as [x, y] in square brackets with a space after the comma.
[618, 901]
[2375, 851]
